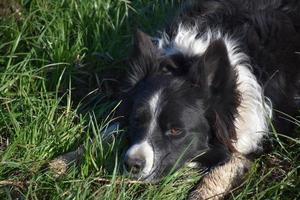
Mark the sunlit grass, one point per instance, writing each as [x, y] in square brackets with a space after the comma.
[52, 57]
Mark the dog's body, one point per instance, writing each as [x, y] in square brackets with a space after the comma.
[208, 87]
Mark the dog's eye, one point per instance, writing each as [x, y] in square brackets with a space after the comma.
[175, 131]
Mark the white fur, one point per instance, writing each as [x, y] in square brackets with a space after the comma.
[254, 113]
[154, 107]
[153, 103]
[146, 151]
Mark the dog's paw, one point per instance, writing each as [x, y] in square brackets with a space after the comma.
[220, 180]
[195, 195]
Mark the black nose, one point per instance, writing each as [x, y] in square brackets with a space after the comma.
[134, 164]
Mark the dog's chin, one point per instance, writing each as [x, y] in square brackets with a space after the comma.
[151, 180]
[146, 178]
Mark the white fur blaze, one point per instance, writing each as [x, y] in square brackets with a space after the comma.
[146, 151]
[154, 108]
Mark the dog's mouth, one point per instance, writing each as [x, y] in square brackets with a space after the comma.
[161, 168]
[151, 177]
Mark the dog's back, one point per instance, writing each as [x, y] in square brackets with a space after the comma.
[268, 31]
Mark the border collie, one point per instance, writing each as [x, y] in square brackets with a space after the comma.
[205, 91]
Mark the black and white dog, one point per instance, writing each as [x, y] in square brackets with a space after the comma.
[208, 87]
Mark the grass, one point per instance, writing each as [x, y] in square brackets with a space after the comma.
[54, 55]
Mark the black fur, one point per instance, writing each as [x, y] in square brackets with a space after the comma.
[199, 93]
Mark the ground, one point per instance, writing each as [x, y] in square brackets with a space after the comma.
[59, 64]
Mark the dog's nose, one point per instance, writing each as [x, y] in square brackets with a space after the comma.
[134, 164]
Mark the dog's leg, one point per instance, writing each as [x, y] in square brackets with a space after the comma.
[218, 182]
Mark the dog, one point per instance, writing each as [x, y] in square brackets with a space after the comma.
[205, 91]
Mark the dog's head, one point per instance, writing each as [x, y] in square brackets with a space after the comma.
[179, 109]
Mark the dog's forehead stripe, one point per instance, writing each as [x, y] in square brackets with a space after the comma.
[154, 109]
[154, 101]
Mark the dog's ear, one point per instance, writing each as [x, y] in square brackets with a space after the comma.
[143, 46]
[144, 59]
[213, 70]
[142, 62]
[215, 76]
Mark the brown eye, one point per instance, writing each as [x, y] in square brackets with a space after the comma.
[175, 131]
